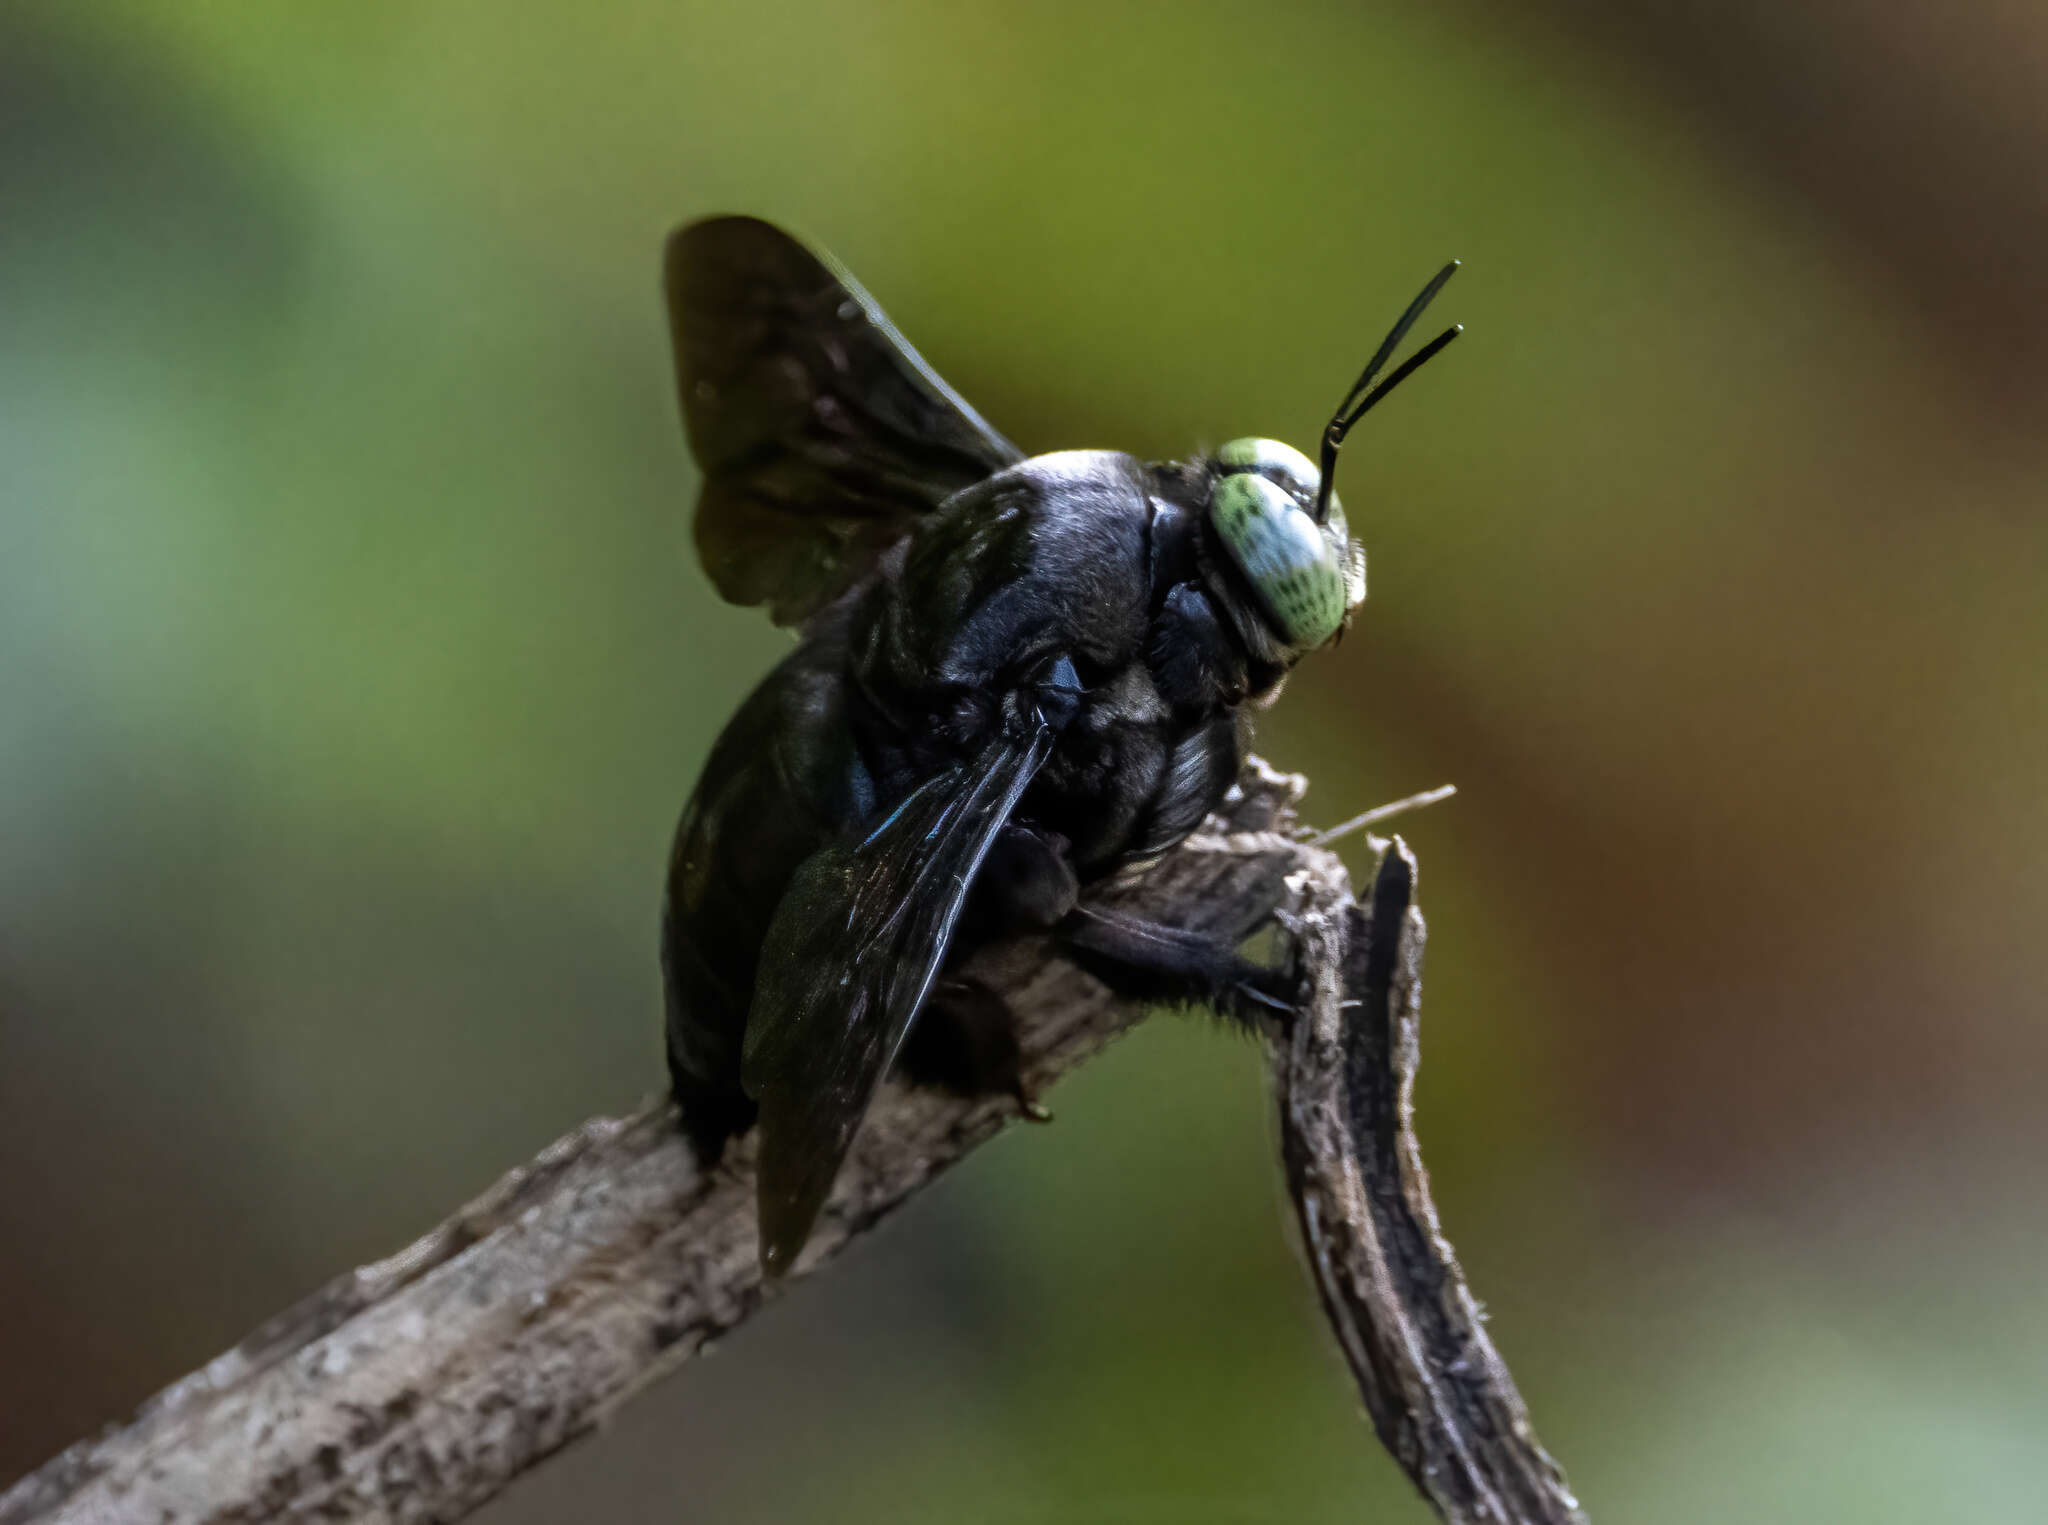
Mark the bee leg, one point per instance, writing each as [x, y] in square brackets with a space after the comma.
[1147, 960]
[965, 1038]
[965, 1041]
[710, 1114]
[1026, 884]
[704, 1052]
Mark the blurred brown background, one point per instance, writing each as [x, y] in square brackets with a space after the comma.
[353, 666]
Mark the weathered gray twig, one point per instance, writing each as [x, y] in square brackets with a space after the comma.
[419, 1387]
[1438, 1392]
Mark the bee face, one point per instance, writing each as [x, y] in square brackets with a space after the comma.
[1308, 576]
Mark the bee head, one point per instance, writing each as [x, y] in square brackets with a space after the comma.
[1279, 519]
[1307, 575]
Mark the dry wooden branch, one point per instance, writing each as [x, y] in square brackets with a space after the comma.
[1438, 1392]
[417, 1388]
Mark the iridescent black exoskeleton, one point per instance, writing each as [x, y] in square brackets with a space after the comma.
[1015, 676]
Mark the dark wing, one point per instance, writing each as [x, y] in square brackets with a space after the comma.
[855, 943]
[822, 435]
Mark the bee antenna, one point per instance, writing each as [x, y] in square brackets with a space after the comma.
[1359, 401]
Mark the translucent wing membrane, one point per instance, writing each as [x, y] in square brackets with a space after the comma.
[854, 946]
[822, 435]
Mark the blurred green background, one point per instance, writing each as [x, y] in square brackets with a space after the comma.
[354, 664]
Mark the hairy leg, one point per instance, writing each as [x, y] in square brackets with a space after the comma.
[1147, 960]
[1026, 884]
[965, 1041]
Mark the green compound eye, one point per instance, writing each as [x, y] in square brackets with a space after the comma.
[1275, 461]
[1281, 463]
[1302, 571]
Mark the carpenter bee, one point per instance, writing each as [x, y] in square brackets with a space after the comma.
[1014, 676]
